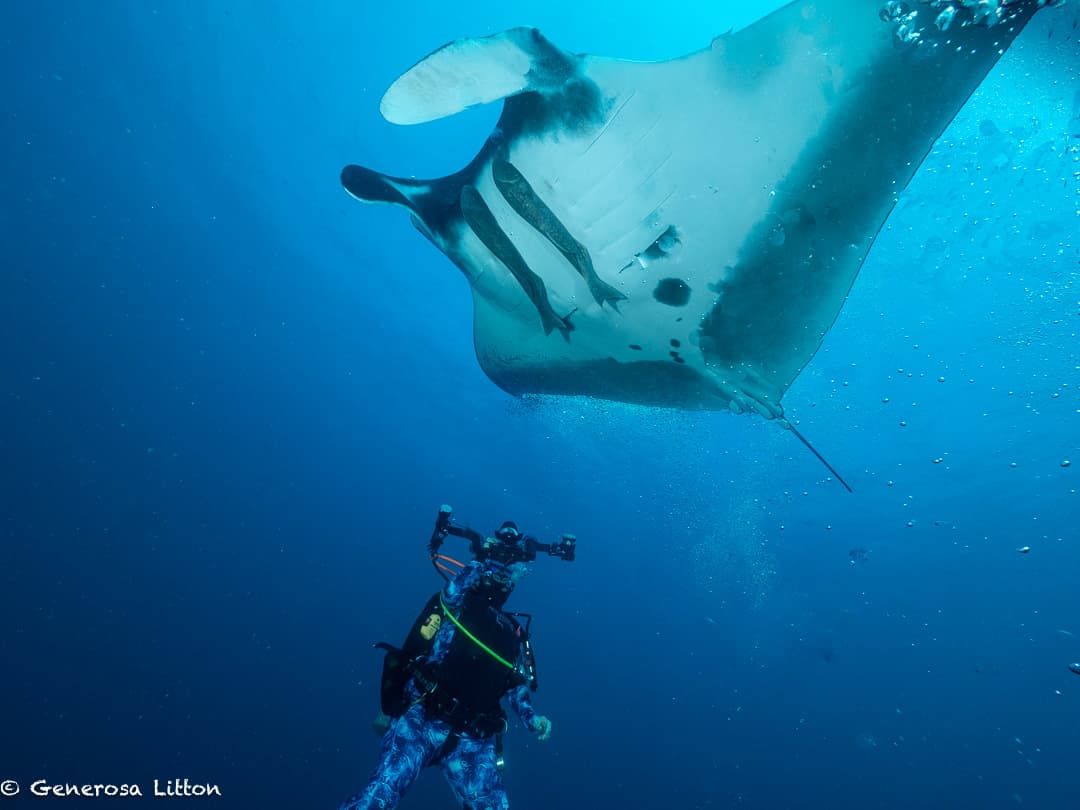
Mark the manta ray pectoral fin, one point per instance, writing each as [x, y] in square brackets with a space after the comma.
[482, 222]
[467, 72]
[521, 196]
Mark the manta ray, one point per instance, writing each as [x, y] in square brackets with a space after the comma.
[684, 233]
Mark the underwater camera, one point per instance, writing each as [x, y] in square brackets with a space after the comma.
[507, 546]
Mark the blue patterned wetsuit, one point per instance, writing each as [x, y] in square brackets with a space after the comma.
[420, 738]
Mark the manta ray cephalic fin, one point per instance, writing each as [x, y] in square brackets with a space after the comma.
[465, 73]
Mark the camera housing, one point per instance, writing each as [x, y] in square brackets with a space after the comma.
[505, 547]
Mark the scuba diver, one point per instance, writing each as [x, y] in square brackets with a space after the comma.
[442, 690]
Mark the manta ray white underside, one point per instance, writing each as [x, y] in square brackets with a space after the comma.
[684, 233]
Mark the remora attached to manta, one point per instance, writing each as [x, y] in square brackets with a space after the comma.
[684, 233]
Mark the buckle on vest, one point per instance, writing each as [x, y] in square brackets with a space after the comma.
[450, 708]
[442, 704]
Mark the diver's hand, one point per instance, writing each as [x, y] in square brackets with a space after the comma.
[380, 724]
[542, 726]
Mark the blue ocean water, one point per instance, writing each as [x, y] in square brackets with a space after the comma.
[233, 400]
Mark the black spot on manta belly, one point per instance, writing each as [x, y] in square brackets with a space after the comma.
[672, 291]
[635, 347]
[675, 343]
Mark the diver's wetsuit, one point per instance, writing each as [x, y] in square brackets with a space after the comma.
[421, 737]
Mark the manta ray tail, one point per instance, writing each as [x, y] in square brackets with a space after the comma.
[820, 457]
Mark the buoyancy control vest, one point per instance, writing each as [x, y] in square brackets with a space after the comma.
[480, 665]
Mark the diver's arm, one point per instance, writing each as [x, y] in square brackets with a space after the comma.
[454, 593]
[453, 597]
[476, 540]
[520, 700]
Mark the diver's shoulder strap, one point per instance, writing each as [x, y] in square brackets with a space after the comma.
[528, 657]
[469, 635]
[515, 616]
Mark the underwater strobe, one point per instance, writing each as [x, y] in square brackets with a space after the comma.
[507, 546]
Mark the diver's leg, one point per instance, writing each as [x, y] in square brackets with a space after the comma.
[407, 747]
[473, 776]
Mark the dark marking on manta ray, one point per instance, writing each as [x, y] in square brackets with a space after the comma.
[675, 356]
[635, 347]
[517, 191]
[663, 246]
[798, 217]
[578, 105]
[675, 343]
[483, 223]
[672, 291]
[550, 65]
[560, 98]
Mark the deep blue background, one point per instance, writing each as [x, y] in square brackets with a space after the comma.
[233, 399]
